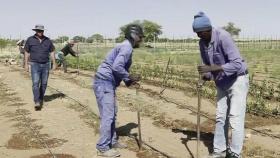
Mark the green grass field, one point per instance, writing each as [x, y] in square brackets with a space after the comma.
[151, 64]
[264, 69]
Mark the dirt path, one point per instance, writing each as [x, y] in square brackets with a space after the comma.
[160, 138]
[70, 129]
[66, 129]
[179, 119]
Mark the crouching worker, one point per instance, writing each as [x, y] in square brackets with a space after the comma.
[60, 56]
[224, 64]
[20, 45]
[113, 70]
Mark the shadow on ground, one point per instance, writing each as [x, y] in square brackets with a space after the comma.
[73, 72]
[51, 97]
[126, 129]
[205, 137]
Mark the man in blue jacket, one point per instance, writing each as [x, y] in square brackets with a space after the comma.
[224, 64]
[113, 70]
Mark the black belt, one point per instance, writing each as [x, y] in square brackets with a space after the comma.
[243, 73]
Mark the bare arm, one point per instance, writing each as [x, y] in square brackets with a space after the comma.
[72, 52]
[27, 55]
[53, 60]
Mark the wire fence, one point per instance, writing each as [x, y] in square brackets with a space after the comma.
[186, 44]
[182, 67]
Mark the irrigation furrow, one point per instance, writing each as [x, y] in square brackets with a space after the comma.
[132, 137]
[33, 131]
[194, 110]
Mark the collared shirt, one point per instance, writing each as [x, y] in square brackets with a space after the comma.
[39, 49]
[116, 66]
[222, 51]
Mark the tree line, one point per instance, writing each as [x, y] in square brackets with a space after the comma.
[152, 31]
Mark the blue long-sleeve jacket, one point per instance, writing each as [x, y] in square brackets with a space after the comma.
[116, 66]
[222, 51]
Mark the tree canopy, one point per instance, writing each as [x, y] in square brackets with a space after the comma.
[95, 37]
[151, 30]
[61, 39]
[79, 39]
[234, 31]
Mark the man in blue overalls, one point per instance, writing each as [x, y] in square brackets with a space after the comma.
[224, 64]
[113, 70]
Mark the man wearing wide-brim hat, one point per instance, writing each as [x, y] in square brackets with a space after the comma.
[20, 45]
[38, 49]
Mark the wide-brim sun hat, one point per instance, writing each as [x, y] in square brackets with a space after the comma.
[39, 27]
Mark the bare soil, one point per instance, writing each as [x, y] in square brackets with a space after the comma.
[69, 126]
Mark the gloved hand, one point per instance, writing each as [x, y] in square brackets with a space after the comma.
[133, 79]
[206, 77]
[128, 83]
[205, 68]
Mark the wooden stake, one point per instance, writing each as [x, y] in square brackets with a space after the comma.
[139, 120]
[199, 87]
[165, 77]
[78, 60]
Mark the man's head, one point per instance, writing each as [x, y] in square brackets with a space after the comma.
[202, 26]
[71, 43]
[20, 42]
[134, 33]
[39, 29]
[205, 35]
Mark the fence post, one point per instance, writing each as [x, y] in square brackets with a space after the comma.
[271, 43]
[276, 40]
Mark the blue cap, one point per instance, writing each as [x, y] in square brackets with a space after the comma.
[201, 23]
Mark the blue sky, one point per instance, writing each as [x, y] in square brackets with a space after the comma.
[86, 17]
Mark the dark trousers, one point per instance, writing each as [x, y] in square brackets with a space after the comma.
[61, 60]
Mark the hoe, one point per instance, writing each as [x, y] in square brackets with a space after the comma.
[137, 86]
[199, 88]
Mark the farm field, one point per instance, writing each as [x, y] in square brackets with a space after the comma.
[94, 79]
[182, 74]
[168, 119]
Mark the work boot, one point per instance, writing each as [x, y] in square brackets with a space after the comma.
[37, 106]
[232, 155]
[108, 153]
[119, 146]
[217, 155]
